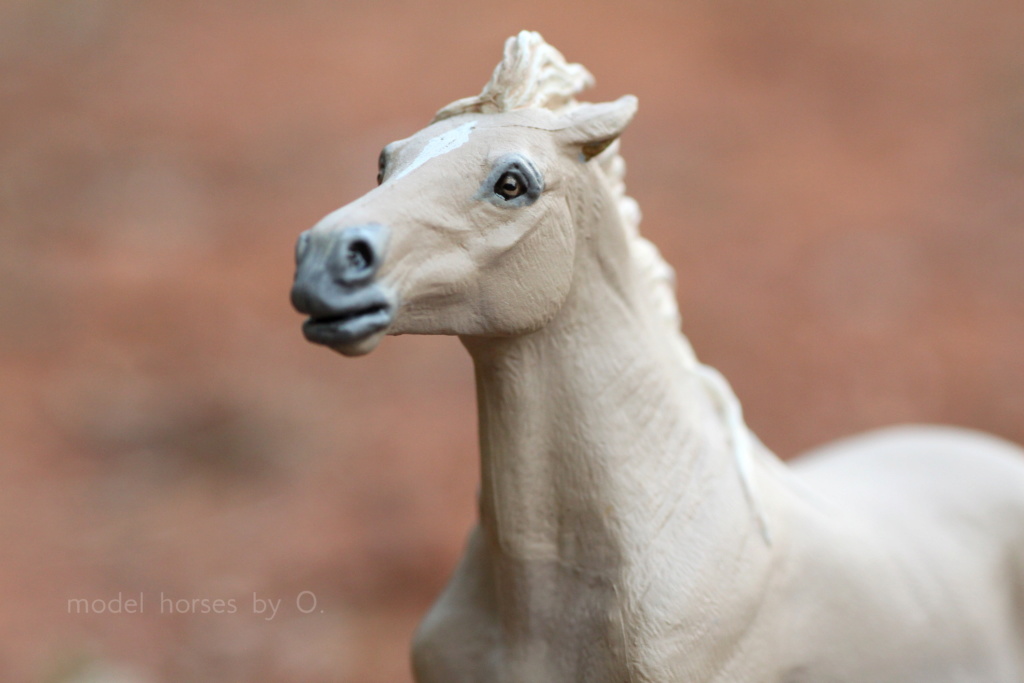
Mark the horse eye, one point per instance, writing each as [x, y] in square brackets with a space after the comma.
[509, 186]
[382, 163]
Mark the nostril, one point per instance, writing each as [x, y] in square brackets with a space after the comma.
[354, 254]
[359, 256]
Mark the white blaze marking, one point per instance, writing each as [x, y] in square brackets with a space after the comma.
[442, 144]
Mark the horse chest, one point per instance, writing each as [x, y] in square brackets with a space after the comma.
[548, 622]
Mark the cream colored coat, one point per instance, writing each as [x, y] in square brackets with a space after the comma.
[631, 529]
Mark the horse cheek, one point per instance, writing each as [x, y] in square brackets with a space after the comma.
[528, 284]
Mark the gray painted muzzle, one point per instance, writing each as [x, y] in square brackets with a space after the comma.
[334, 284]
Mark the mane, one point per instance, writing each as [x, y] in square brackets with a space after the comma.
[533, 74]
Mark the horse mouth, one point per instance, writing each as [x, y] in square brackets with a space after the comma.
[346, 328]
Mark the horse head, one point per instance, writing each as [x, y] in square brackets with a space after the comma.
[472, 230]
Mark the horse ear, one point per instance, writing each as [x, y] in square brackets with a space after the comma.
[592, 127]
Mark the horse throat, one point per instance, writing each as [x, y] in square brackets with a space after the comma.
[595, 441]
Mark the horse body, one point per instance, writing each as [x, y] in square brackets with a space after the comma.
[630, 528]
[922, 528]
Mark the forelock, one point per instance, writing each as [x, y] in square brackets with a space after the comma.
[532, 74]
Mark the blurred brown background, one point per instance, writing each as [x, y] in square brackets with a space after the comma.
[840, 185]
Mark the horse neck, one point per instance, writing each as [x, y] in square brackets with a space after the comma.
[595, 439]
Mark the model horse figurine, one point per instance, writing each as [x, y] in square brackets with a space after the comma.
[631, 528]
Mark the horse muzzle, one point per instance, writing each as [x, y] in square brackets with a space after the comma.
[335, 286]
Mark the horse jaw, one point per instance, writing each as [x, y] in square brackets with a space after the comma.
[363, 346]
